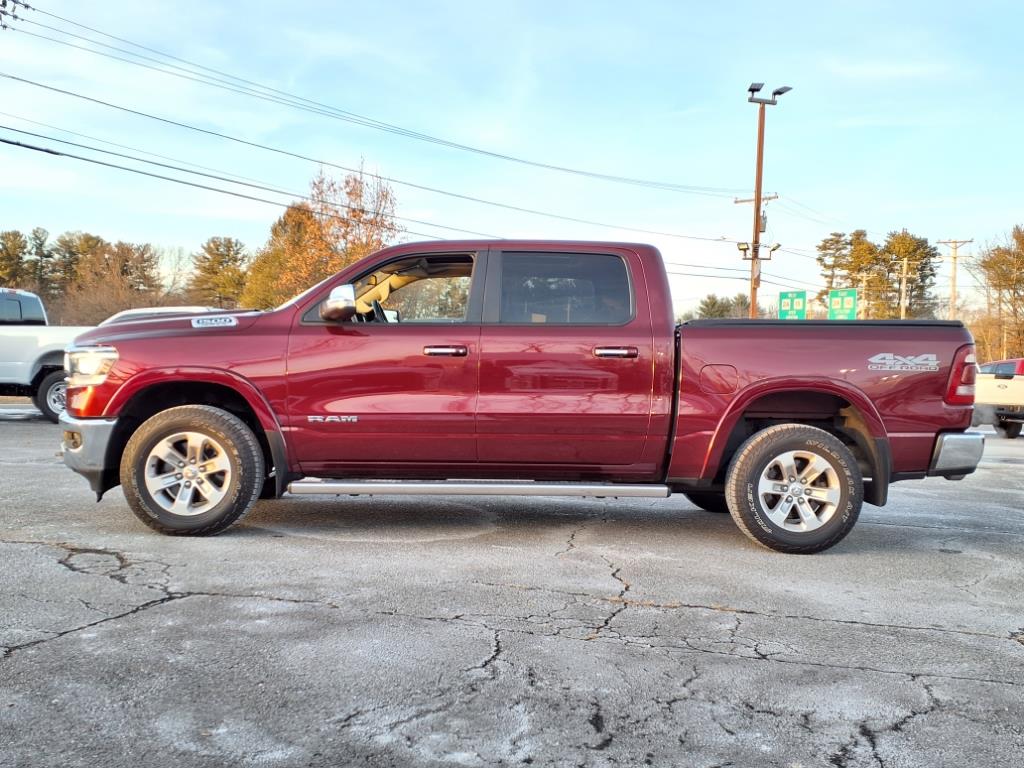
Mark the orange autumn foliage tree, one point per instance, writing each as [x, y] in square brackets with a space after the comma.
[341, 223]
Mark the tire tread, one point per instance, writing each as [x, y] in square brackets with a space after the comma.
[736, 501]
[246, 442]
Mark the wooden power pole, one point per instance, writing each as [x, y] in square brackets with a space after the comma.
[954, 246]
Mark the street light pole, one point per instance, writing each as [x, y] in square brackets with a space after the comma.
[755, 243]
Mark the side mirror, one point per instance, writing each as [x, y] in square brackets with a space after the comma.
[340, 305]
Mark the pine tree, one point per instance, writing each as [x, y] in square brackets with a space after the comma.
[13, 252]
[38, 263]
[714, 306]
[833, 258]
[68, 250]
[219, 275]
[922, 260]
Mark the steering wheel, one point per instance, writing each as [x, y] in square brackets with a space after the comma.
[378, 312]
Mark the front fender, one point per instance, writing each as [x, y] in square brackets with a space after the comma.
[218, 376]
[152, 376]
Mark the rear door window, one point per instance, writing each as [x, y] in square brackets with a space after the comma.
[32, 311]
[564, 289]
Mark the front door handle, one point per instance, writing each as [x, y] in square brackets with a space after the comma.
[453, 351]
[616, 352]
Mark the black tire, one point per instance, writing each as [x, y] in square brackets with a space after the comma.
[757, 459]
[709, 501]
[240, 485]
[1008, 429]
[50, 393]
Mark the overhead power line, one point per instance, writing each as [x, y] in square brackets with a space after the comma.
[349, 169]
[123, 146]
[728, 277]
[251, 88]
[257, 185]
[58, 153]
[51, 151]
[185, 182]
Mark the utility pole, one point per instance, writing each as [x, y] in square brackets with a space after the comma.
[755, 243]
[954, 245]
[903, 288]
[862, 305]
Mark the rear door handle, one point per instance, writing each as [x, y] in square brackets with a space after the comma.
[616, 352]
[453, 351]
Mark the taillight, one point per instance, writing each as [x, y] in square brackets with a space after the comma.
[960, 390]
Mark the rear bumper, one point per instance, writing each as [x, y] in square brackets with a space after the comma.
[956, 455]
[84, 443]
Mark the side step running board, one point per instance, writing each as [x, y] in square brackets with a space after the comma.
[314, 486]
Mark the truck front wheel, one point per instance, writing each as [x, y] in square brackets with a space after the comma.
[192, 470]
[794, 488]
[1008, 429]
[51, 394]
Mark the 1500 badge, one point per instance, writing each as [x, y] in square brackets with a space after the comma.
[221, 321]
[887, 361]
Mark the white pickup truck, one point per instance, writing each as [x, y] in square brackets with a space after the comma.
[999, 398]
[32, 352]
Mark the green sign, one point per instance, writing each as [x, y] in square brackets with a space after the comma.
[842, 304]
[793, 305]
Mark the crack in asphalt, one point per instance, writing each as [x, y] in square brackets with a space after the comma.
[620, 598]
[496, 650]
[596, 721]
[677, 605]
[10, 650]
[124, 563]
[570, 543]
[994, 531]
[870, 736]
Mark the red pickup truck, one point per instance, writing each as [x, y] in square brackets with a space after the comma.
[520, 368]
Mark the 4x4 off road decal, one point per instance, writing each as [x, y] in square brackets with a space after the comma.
[887, 361]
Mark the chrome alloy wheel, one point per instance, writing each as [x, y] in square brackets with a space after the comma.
[188, 473]
[800, 491]
[56, 396]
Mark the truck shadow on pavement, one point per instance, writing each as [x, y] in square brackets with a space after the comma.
[558, 524]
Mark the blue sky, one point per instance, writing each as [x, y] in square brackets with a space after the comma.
[901, 115]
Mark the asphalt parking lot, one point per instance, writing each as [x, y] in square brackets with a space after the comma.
[422, 632]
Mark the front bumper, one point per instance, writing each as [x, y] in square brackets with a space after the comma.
[956, 454]
[84, 444]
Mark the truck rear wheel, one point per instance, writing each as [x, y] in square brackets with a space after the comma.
[192, 470]
[794, 488]
[51, 394]
[709, 501]
[1008, 429]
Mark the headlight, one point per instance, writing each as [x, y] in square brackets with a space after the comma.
[88, 366]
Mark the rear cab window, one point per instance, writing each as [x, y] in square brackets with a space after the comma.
[550, 288]
[10, 311]
[1005, 370]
